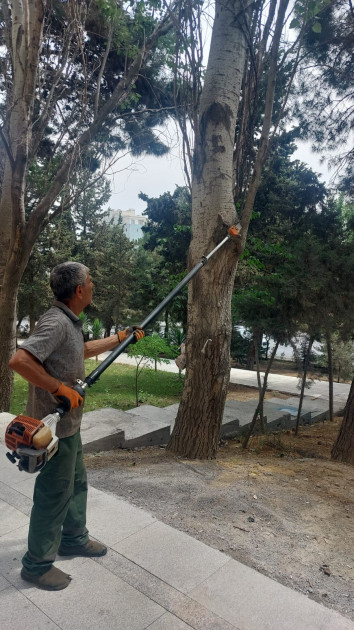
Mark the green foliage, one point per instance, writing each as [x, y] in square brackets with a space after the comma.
[148, 352]
[240, 346]
[86, 324]
[295, 272]
[116, 388]
[324, 99]
[97, 328]
[115, 276]
[54, 245]
[167, 234]
[176, 337]
[154, 349]
[342, 357]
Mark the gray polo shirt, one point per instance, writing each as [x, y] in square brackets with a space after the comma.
[58, 343]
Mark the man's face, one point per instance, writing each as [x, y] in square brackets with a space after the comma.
[87, 291]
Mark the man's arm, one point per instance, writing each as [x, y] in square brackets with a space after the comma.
[25, 364]
[97, 346]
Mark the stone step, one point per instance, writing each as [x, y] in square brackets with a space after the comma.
[147, 425]
[109, 428]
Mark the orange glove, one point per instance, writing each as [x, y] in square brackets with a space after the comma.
[69, 397]
[138, 334]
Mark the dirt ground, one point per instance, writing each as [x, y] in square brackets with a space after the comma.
[281, 507]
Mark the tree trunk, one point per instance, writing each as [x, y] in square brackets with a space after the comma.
[261, 396]
[18, 234]
[257, 340]
[343, 448]
[197, 428]
[8, 334]
[303, 384]
[330, 374]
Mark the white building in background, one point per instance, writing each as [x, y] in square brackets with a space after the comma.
[132, 222]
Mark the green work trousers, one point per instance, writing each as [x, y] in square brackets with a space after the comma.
[59, 506]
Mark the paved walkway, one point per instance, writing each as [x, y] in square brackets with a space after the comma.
[276, 382]
[153, 577]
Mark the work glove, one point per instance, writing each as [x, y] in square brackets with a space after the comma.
[69, 397]
[138, 334]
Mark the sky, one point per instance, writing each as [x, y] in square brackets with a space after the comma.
[151, 175]
[155, 176]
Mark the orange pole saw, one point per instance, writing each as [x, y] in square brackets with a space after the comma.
[33, 442]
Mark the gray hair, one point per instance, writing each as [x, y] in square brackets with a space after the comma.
[65, 277]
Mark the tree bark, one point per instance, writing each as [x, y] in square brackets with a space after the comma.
[261, 396]
[330, 374]
[18, 234]
[257, 340]
[197, 428]
[343, 448]
[303, 384]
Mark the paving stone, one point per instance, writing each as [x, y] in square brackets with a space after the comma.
[148, 436]
[5, 419]
[173, 556]
[252, 601]
[169, 622]
[13, 546]
[96, 599]
[243, 411]
[163, 414]
[178, 604]
[19, 501]
[279, 421]
[17, 613]
[111, 520]
[3, 583]
[230, 429]
[102, 430]
[10, 518]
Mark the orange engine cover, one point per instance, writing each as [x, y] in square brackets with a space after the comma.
[20, 432]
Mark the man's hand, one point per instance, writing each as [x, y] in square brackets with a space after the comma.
[69, 397]
[138, 334]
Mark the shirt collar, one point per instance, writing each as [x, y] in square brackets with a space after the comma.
[66, 310]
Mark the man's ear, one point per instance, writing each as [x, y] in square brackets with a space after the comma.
[78, 291]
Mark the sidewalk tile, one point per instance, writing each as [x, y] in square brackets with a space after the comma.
[17, 613]
[252, 601]
[111, 519]
[181, 606]
[96, 599]
[13, 545]
[16, 499]
[173, 556]
[10, 518]
[169, 622]
[3, 583]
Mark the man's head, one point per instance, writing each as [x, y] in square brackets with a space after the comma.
[69, 280]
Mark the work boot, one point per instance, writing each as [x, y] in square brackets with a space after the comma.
[91, 549]
[52, 580]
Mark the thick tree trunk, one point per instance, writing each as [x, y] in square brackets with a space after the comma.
[197, 428]
[18, 234]
[15, 247]
[8, 346]
[343, 448]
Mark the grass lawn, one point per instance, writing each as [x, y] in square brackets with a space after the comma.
[116, 388]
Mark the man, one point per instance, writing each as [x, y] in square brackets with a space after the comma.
[51, 360]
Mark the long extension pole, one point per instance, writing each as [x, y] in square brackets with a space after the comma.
[92, 378]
